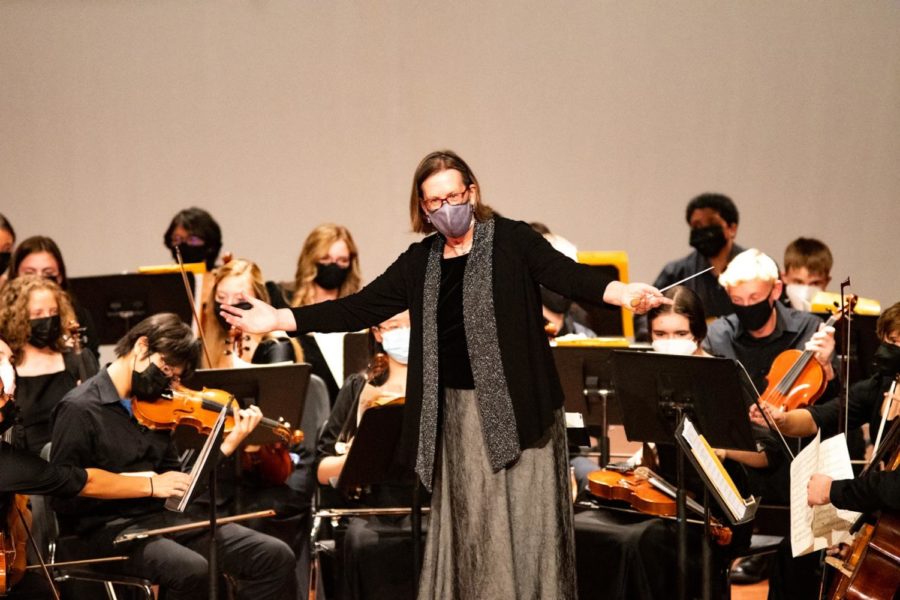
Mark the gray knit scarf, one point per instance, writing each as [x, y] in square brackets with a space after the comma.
[498, 422]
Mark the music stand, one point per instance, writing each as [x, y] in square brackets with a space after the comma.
[585, 373]
[117, 302]
[278, 390]
[656, 391]
[371, 461]
[357, 352]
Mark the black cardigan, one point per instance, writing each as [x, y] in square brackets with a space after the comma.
[522, 260]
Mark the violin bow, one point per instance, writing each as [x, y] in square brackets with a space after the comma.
[190, 295]
[37, 553]
[845, 360]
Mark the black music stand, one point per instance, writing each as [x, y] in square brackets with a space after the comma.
[656, 391]
[117, 302]
[585, 373]
[357, 352]
[278, 390]
[371, 461]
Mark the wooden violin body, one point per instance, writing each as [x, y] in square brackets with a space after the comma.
[13, 539]
[796, 379]
[199, 409]
[628, 487]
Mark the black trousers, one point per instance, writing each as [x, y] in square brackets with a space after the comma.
[262, 565]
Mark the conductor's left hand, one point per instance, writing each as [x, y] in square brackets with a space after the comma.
[259, 318]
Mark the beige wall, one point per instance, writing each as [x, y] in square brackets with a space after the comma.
[599, 118]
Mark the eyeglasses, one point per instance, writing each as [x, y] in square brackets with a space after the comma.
[454, 199]
[167, 370]
[391, 327]
[343, 261]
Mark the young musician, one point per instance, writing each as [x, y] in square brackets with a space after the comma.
[230, 281]
[327, 269]
[33, 314]
[713, 221]
[807, 270]
[483, 414]
[22, 472]
[39, 255]
[196, 234]
[94, 427]
[376, 553]
[758, 331]
[7, 244]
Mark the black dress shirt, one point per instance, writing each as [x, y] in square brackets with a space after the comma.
[716, 301]
[863, 406]
[91, 428]
[24, 473]
[875, 491]
[522, 260]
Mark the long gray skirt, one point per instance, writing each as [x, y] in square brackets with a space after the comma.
[497, 535]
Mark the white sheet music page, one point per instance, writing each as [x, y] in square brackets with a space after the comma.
[815, 528]
[714, 471]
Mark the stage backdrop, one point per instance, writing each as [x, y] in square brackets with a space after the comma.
[601, 119]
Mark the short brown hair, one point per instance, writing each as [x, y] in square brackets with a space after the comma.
[442, 160]
[888, 322]
[169, 336]
[808, 253]
[15, 322]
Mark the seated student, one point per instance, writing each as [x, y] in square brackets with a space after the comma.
[230, 281]
[7, 244]
[327, 269]
[39, 255]
[32, 313]
[807, 270]
[196, 234]
[376, 555]
[867, 401]
[758, 331]
[713, 220]
[94, 427]
[642, 562]
[24, 473]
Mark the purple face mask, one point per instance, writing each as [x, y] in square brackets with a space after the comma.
[452, 221]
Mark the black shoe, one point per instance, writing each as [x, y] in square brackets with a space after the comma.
[752, 569]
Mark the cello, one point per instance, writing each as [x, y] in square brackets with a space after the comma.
[13, 539]
[872, 569]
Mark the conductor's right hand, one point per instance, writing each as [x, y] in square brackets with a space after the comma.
[171, 483]
[259, 318]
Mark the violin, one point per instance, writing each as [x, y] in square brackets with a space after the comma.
[637, 489]
[13, 538]
[200, 409]
[795, 378]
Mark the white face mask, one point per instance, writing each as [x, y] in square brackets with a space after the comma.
[8, 376]
[801, 296]
[396, 343]
[683, 346]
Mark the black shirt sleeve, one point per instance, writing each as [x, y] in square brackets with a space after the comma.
[827, 413]
[24, 473]
[875, 491]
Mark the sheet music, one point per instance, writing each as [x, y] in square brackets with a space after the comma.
[815, 528]
[714, 471]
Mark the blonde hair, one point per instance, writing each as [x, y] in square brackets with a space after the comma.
[749, 265]
[215, 337]
[315, 248]
[15, 322]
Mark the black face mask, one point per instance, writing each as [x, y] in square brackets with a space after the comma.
[149, 384]
[191, 254]
[754, 316]
[887, 359]
[331, 276]
[4, 261]
[44, 331]
[222, 322]
[556, 303]
[708, 241]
